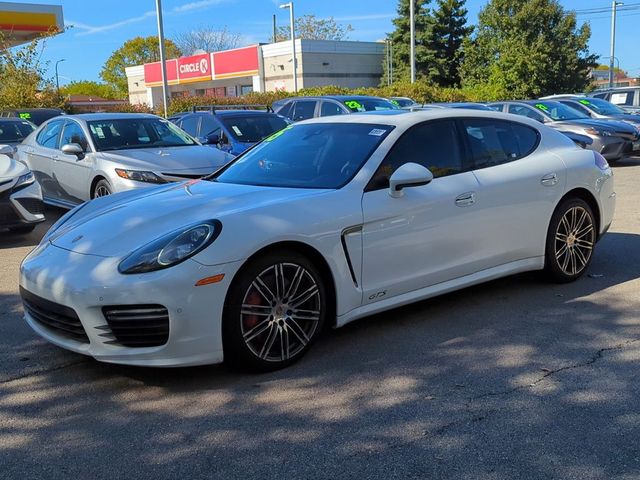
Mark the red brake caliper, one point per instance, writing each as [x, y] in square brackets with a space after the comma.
[251, 321]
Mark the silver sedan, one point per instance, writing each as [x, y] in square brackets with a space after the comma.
[79, 157]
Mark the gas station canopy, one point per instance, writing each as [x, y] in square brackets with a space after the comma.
[22, 22]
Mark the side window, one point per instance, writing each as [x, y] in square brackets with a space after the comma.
[601, 95]
[622, 98]
[577, 106]
[303, 109]
[48, 137]
[494, 142]
[190, 125]
[208, 125]
[498, 107]
[73, 134]
[525, 111]
[286, 110]
[434, 145]
[329, 108]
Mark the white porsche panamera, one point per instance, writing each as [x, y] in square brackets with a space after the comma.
[324, 222]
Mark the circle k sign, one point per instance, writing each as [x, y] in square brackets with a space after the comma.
[194, 67]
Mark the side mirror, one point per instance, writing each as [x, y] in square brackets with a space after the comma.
[212, 139]
[7, 150]
[73, 149]
[408, 175]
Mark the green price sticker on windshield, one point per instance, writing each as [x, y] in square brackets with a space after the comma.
[353, 105]
[277, 134]
[395, 102]
[542, 106]
[585, 102]
[26, 115]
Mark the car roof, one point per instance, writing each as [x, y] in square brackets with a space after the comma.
[221, 113]
[87, 117]
[407, 118]
[337, 97]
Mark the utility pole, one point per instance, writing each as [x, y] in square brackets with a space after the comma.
[293, 44]
[57, 80]
[275, 29]
[412, 27]
[163, 65]
[614, 5]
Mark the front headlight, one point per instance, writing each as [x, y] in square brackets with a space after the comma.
[172, 248]
[140, 176]
[595, 131]
[25, 179]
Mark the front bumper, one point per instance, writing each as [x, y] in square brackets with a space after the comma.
[21, 206]
[611, 148]
[86, 283]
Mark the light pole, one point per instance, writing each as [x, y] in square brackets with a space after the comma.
[293, 44]
[163, 66]
[614, 5]
[57, 79]
[412, 48]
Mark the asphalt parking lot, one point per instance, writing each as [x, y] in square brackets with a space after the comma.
[514, 379]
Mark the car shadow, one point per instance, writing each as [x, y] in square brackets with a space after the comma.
[10, 239]
[413, 382]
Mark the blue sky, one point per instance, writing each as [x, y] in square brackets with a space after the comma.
[101, 27]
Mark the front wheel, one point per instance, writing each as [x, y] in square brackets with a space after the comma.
[102, 189]
[570, 241]
[275, 310]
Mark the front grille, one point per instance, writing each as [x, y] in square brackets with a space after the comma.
[63, 320]
[32, 205]
[138, 325]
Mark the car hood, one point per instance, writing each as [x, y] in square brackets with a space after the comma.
[627, 117]
[197, 158]
[119, 224]
[612, 126]
[10, 169]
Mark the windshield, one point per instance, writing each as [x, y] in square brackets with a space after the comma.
[317, 155]
[601, 107]
[368, 104]
[12, 132]
[402, 102]
[559, 111]
[252, 128]
[126, 133]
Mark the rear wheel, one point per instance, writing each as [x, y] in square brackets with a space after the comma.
[570, 241]
[102, 189]
[275, 311]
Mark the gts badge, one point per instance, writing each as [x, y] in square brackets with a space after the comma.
[375, 296]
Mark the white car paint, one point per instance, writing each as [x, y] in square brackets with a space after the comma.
[11, 193]
[456, 231]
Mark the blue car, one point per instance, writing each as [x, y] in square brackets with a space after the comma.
[230, 130]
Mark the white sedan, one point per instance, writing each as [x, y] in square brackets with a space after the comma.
[324, 222]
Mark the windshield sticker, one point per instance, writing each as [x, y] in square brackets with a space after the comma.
[26, 115]
[377, 132]
[237, 130]
[585, 102]
[277, 134]
[542, 106]
[353, 105]
[395, 102]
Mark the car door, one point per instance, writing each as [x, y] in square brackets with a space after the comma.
[519, 185]
[303, 110]
[39, 157]
[428, 235]
[73, 173]
[330, 108]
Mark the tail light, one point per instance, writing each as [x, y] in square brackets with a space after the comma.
[601, 162]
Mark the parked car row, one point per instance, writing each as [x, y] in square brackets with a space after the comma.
[324, 222]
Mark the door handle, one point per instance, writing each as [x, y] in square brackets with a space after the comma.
[466, 199]
[549, 180]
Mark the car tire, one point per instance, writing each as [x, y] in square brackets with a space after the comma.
[23, 230]
[267, 325]
[101, 189]
[570, 241]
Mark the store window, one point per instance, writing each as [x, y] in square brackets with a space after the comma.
[244, 89]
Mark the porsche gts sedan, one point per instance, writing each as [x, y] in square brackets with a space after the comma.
[322, 223]
[79, 157]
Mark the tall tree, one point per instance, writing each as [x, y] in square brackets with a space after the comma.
[208, 39]
[136, 51]
[528, 48]
[444, 39]
[23, 80]
[91, 88]
[401, 37]
[310, 27]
